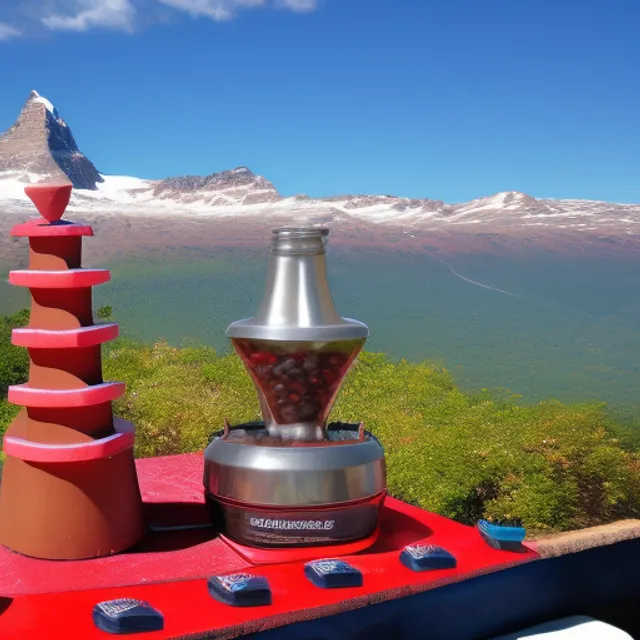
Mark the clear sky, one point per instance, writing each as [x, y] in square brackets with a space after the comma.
[445, 99]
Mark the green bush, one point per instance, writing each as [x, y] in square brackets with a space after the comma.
[547, 467]
[14, 361]
[14, 365]
[178, 397]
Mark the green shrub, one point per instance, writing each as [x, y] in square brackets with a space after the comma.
[178, 397]
[7, 413]
[14, 365]
[549, 466]
[14, 361]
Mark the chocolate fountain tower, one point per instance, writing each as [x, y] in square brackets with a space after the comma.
[293, 480]
[69, 488]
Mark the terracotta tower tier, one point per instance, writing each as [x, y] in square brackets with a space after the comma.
[69, 488]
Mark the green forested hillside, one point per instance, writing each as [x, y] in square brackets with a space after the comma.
[549, 466]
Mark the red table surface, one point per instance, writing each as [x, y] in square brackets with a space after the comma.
[54, 599]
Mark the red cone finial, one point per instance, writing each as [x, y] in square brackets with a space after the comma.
[50, 199]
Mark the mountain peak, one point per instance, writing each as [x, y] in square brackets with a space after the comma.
[40, 146]
[37, 98]
[239, 185]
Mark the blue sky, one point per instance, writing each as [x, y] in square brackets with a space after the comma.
[445, 99]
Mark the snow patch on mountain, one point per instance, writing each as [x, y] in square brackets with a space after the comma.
[38, 99]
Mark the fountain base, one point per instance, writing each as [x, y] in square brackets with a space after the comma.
[266, 492]
[276, 555]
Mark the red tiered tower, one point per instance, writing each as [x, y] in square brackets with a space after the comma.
[69, 487]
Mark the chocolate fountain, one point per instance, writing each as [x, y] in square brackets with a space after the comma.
[294, 480]
[69, 488]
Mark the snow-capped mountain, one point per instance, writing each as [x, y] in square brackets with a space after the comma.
[40, 145]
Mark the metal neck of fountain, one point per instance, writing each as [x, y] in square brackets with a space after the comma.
[297, 304]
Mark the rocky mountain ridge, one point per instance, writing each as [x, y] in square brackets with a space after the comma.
[40, 145]
[226, 187]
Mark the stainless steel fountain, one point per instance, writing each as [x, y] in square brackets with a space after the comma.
[293, 479]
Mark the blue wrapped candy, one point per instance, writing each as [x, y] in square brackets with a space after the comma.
[332, 574]
[127, 615]
[500, 536]
[240, 590]
[418, 557]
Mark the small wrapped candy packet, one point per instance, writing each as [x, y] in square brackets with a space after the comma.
[332, 574]
[240, 590]
[419, 557]
[502, 537]
[127, 615]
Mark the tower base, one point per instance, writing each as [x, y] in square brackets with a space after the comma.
[75, 511]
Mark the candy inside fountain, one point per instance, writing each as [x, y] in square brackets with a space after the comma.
[297, 382]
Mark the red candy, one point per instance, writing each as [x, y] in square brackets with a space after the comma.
[298, 387]
[329, 376]
[263, 358]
